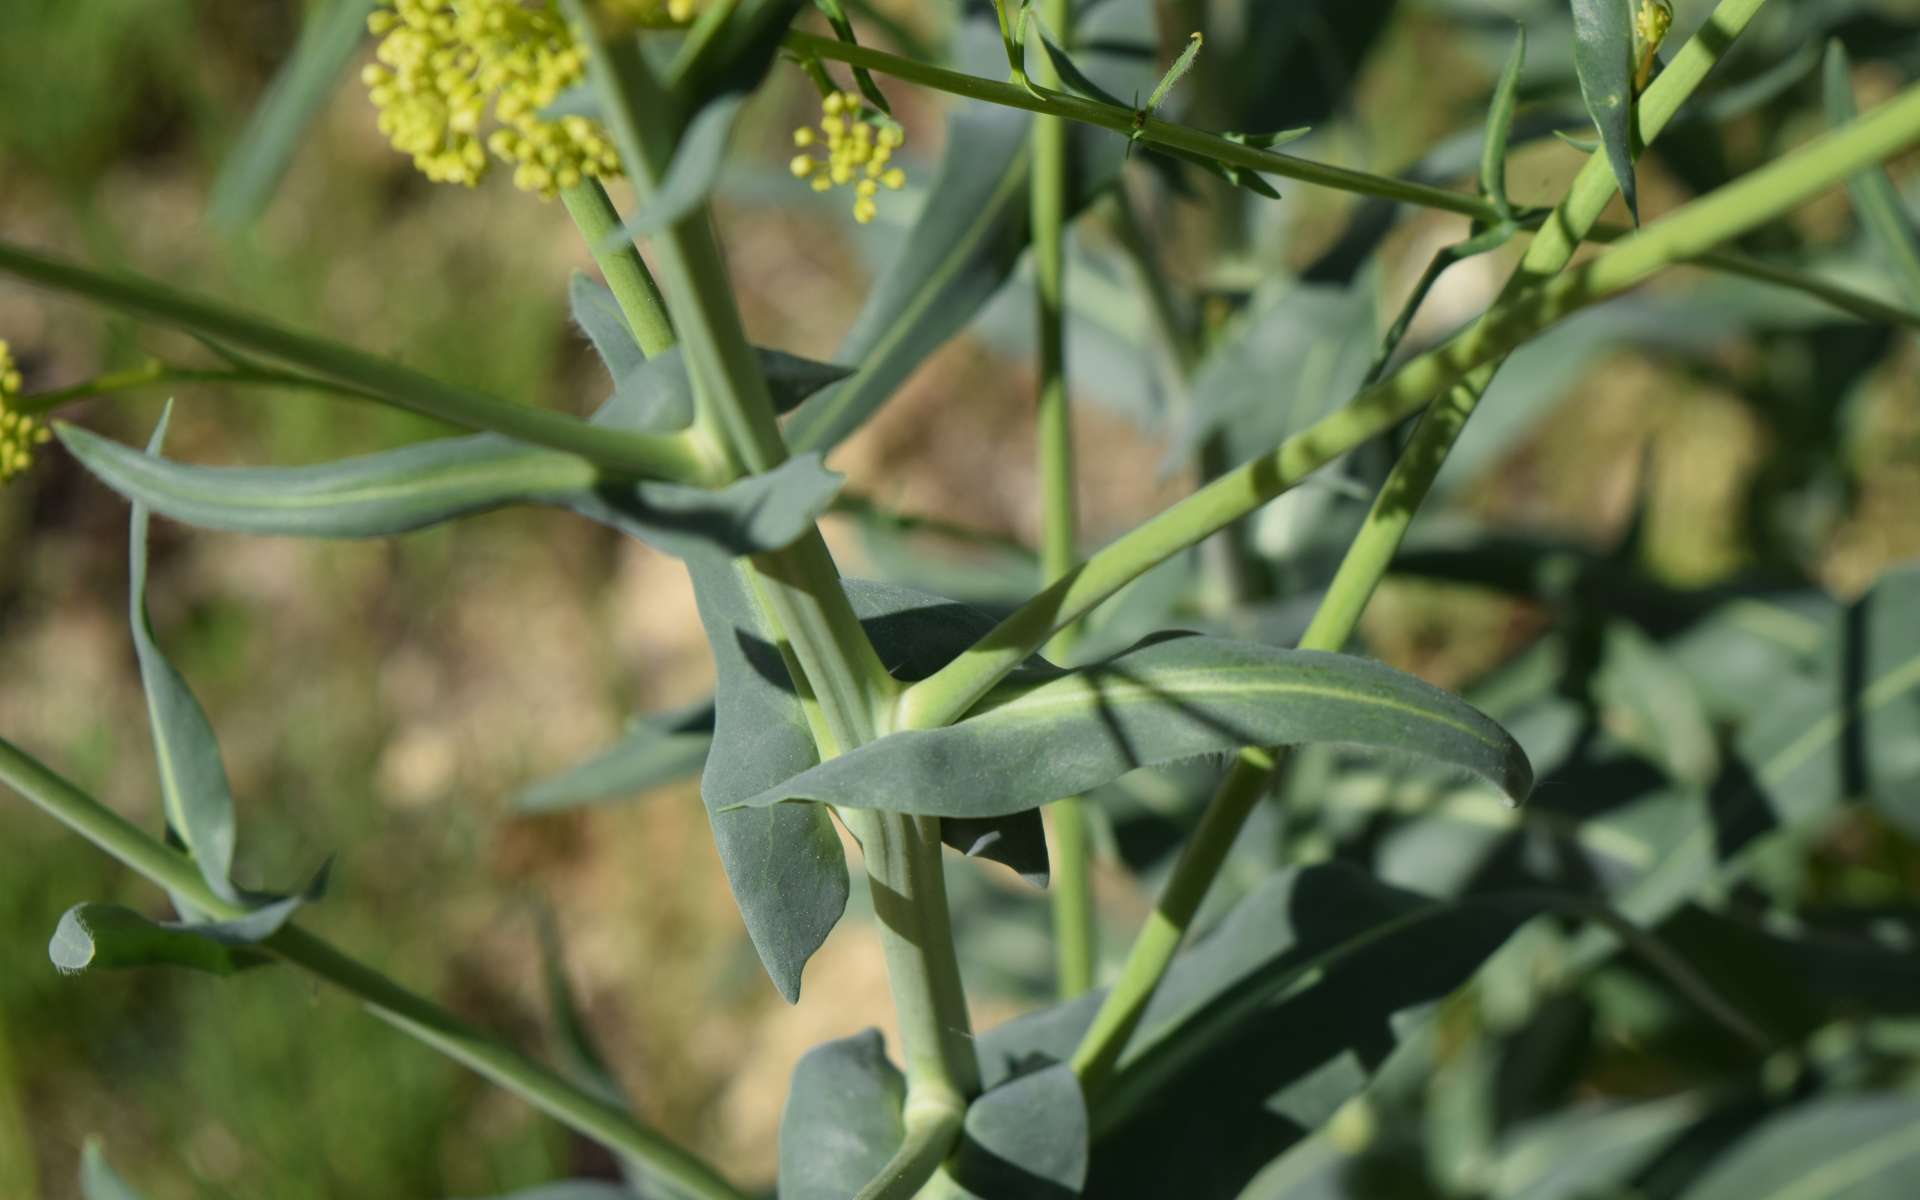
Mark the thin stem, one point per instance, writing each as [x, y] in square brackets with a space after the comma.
[1154, 131]
[1072, 884]
[546, 1090]
[154, 373]
[620, 262]
[647, 455]
[1369, 556]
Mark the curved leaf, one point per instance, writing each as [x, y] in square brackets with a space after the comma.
[657, 395]
[1030, 743]
[1603, 58]
[396, 491]
[93, 936]
[842, 1119]
[1874, 196]
[193, 782]
[598, 315]
[1841, 1148]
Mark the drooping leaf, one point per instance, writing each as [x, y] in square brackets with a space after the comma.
[1026, 1139]
[92, 936]
[787, 869]
[658, 750]
[396, 491]
[1874, 196]
[98, 1179]
[1834, 1148]
[1651, 705]
[193, 782]
[842, 1119]
[299, 91]
[1603, 58]
[1029, 743]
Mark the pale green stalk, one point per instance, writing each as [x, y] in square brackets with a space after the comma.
[575, 1107]
[1072, 883]
[154, 373]
[1368, 557]
[799, 588]
[620, 263]
[650, 456]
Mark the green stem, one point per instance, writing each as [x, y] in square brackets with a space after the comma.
[574, 1107]
[650, 456]
[620, 262]
[800, 590]
[1368, 558]
[1754, 200]
[1154, 131]
[154, 373]
[1072, 884]
[921, 1152]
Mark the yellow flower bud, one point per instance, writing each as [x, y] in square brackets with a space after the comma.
[865, 211]
[803, 136]
[801, 166]
[894, 179]
[821, 183]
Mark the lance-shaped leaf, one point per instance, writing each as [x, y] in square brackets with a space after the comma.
[93, 936]
[1029, 743]
[193, 783]
[396, 491]
[658, 750]
[1603, 58]
[842, 1119]
[1836, 1148]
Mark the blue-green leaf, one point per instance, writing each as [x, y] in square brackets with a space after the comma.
[657, 395]
[1026, 1139]
[658, 750]
[98, 1179]
[92, 936]
[299, 91]
[1603, 58]
[1837, 1148]
[789, 875]
[598, 315]
[842, 1119]
[395, 491]
[1029, 743]
[193, 782]
[787, 869]
[697, 159]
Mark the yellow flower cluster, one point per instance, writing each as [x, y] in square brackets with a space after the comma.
[19, 433]
[443, 62]
[858, 143]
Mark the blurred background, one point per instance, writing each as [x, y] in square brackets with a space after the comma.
[384, 702]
